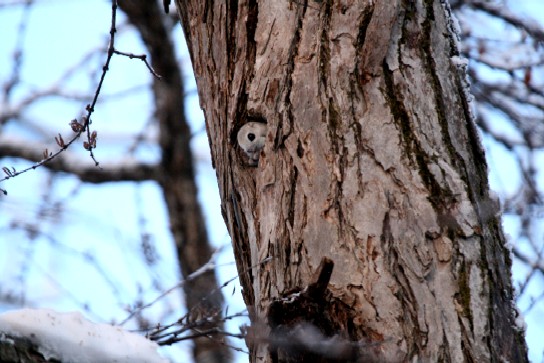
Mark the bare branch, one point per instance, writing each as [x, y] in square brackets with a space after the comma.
[113, 171]
[498, 10]
[143, 58]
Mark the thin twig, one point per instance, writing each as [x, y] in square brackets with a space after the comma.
[143, 58]
[90, 144]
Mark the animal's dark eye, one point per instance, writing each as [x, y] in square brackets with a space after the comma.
[251, 136]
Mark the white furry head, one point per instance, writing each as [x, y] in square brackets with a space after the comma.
[251, 138]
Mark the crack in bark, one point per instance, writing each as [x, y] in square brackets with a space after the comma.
[440, 103]
[293, 181]
[405, 295]
[324, 51]
[358, 71]
[287, 82]
[360, 148]
[231, 32]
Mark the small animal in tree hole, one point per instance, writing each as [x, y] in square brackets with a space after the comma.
[251, 139]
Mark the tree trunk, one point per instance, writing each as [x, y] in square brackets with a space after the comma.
[371, 160]
[177, 178]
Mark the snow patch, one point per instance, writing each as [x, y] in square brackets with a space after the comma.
[520, 320]
[70, 337]
[454, 26]
[459, 61]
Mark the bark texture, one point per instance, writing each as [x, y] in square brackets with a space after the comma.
[372, 160]
[20, 350]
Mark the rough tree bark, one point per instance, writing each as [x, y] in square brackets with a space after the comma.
[19, 350]
[372, 160]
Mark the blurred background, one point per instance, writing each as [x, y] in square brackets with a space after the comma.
[140, 240]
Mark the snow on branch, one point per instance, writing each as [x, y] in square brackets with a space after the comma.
[69, 337]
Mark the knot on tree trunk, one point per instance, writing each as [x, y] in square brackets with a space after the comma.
[309, 325]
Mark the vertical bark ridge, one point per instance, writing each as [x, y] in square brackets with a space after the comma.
[285, 125]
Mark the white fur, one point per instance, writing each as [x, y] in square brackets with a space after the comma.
[251, 138]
